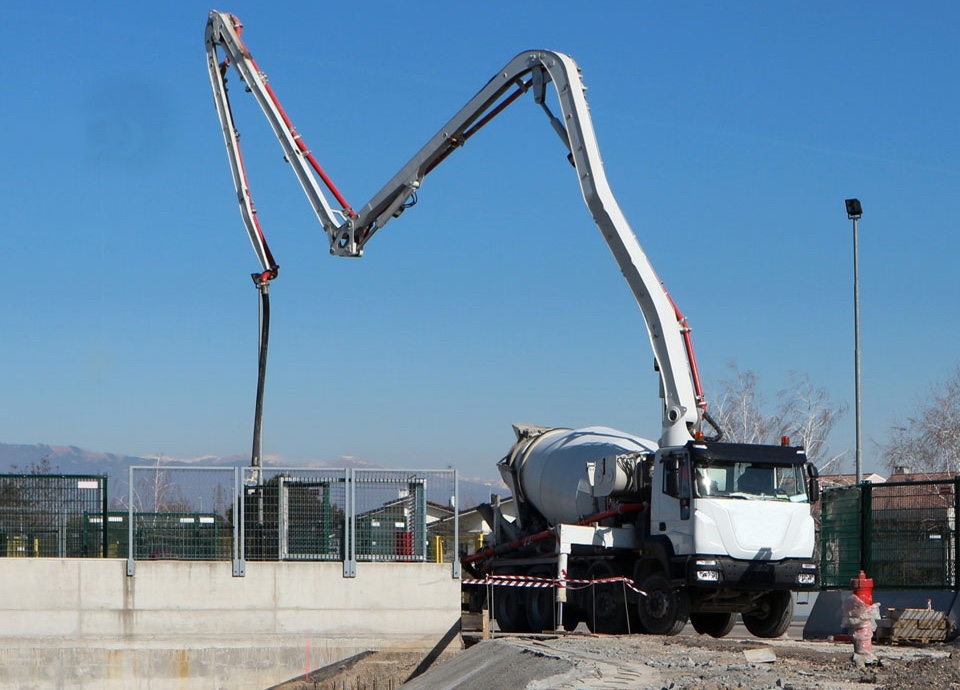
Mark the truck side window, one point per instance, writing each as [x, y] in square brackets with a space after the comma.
[676, 482]
[671, 476]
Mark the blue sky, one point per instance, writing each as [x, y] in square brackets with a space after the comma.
[731, 134]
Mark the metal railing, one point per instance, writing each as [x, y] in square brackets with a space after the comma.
[290, 514]
[902, 534]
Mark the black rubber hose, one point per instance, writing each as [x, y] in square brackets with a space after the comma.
[263, 287]
[710, 420]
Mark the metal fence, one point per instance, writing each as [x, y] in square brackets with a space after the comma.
[902, 534]
[291, 514]
[59, 516]
[237, 514]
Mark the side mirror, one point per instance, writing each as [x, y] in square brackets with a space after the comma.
[813, 486]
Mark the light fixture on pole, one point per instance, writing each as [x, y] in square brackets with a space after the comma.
[854, 211]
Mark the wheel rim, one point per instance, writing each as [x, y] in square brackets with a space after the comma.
[657, 604]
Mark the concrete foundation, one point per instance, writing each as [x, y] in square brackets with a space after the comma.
[76, 624]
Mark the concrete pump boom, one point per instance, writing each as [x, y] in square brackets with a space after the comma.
[348, 231]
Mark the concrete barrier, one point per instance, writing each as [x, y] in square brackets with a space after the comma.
[75, 624]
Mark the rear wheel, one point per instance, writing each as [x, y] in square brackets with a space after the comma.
[663, 610]
[606, 603]
[509, 609]
[541, 610]
[713, 624]
[772, 615]
[571, 618]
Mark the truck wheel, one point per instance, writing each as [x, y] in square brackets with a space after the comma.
[571, 618]
[713, 624]
[772, 615]
[606, 605]
[541, 614]
[663, 610]
[509, 609]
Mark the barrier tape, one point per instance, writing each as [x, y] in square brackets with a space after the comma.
[545, 582]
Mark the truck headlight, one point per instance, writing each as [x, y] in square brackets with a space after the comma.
[708, 576]
[806, 579]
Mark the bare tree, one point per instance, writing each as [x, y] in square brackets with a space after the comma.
[738, 409]
[804, 413]
[929, 440]
[155, 491]
[807, 416]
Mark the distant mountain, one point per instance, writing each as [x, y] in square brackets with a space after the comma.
[16, 459]
[47, 459]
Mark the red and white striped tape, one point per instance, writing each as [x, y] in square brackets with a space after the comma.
[545, 582]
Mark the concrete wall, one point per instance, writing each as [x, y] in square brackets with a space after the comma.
[82, 623]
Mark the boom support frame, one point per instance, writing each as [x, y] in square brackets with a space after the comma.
[348, 231]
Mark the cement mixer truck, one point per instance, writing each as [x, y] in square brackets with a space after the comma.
[627, 536]
[623, 533]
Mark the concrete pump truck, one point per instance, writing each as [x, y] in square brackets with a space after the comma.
[623, 533]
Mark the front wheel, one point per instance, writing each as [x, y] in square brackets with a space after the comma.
[772, 615]
[713, 624]
[662, 610]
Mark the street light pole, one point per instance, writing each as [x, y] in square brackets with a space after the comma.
[854, 211]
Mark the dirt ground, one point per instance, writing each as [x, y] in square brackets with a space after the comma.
[693, 662]
[582, 661]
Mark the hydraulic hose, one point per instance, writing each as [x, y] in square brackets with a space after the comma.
[263, 286]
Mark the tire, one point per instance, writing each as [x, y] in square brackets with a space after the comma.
[606, 605]
[540, 604]
[713, 624]
[662, 610]
[772, 615]
[571, 618]
[509, 609]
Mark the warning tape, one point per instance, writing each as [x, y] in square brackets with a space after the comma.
[547, 582]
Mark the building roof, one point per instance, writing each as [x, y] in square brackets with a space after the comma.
[832, 481]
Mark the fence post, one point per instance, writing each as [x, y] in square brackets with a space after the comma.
[349, 525]
[239, 546]
[104, 517]
[955, 556]
[130, 545]
[456, 526]
[866, 527]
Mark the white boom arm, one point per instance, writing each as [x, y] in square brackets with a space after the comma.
[669, 335]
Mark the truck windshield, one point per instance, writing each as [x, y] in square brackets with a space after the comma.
[750, 480]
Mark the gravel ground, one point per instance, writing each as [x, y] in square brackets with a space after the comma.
[688, 662]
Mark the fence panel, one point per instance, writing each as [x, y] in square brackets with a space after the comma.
[913, 534]
[840, 536]
[179, 513]
[404, 515]
[53, 516]
[294, 514]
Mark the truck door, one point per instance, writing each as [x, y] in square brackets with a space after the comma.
[672, 509]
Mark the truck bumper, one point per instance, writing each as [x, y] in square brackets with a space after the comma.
[715, 572]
